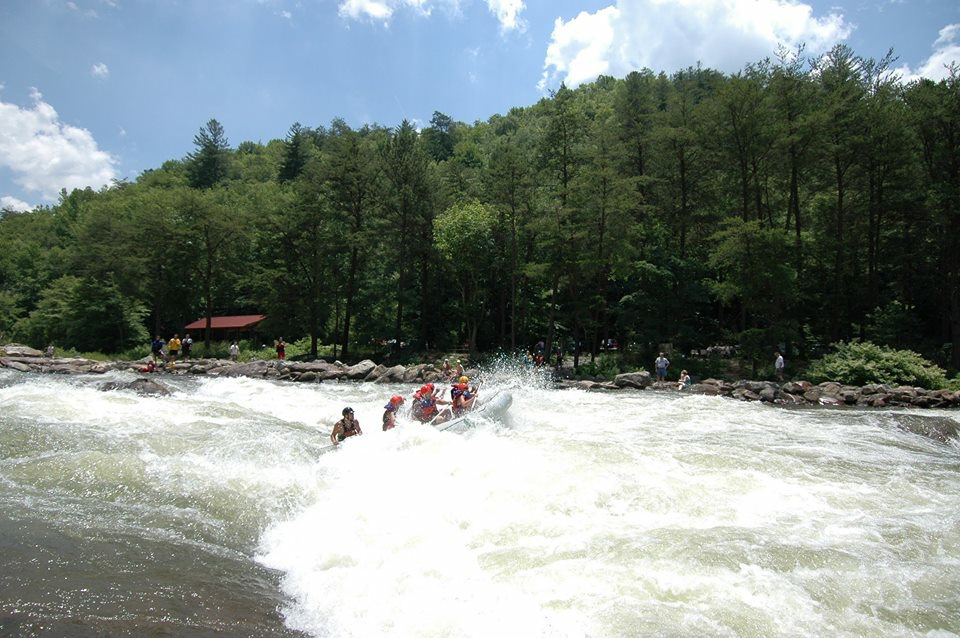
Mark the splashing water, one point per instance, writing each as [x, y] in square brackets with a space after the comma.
[580, 514]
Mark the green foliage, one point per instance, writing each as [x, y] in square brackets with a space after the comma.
[860, 363]
[84, 314]
[591, 214]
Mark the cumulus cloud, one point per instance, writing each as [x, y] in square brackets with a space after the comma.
[946, 53]
[12, 203]
[100, 71]
[380, 10]
[45, 154]
[507, 12]
[668, 35]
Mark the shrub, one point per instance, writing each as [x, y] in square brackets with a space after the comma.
[860, 363]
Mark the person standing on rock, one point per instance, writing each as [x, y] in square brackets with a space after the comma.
[661, 364]
[186, 345]
[234, 351]
[173, 348]
[778, 366]
[156, 347]
[281, 349]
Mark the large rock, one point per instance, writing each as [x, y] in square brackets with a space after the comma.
[936, 427]
[147, 387]
[15, 365]
[396, 374]
[709, 389]
[639, 380]
[19, 350]
[413, 373]
[360, 370]
[376, 373]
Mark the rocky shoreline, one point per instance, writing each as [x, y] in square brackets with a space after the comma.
[798, 393]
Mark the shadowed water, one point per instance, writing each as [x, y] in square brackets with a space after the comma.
[584, 514]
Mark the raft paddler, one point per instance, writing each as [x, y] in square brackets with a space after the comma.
[345, 427]
[425, 405]
[462, 395]
[390, 412]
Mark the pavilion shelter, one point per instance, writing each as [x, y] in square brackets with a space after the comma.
[228, 328]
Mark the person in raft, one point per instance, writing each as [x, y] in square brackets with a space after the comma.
[347, 426]
[390, 412]
[463, 396]
[425, 405]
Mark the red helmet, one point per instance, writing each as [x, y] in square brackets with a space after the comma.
[396, 399]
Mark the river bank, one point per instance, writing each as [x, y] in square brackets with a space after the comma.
[795, 393]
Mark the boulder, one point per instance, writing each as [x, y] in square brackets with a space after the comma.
[745, 394]
[376, 373]
[360, 370]
[795, 387]
[639, 380]
[769, 394]
[935, 427]
[396, 374]
[709, 389]
[147, 387]
[15, 365]
[19, 350]
[413, 373]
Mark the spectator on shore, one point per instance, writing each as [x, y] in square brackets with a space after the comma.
[234, 351]
[661, 364]
[50, 351]
[173, 348]
[281, 348]
[185, 346]
[684, 380]
[778, 366]
[156, 347]
[446, 370]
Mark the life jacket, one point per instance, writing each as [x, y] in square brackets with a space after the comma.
[388, 423]
[349, 430]
[424, 408]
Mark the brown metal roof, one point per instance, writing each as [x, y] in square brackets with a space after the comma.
[236, 322]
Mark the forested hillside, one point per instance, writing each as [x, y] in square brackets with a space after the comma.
[791, 205]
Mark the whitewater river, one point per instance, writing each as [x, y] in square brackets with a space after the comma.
[582, 514]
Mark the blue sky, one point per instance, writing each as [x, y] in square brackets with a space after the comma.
[96, 90]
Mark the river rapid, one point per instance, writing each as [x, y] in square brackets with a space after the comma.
[211, 512]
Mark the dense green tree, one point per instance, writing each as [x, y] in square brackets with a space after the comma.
[464, 236]
[208, 165]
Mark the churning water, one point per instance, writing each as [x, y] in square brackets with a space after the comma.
[582, 514]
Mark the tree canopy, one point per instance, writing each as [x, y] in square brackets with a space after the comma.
[793, 204]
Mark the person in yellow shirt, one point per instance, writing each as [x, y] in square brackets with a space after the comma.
[173, 348]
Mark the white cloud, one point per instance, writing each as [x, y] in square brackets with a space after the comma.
[286, 15]
[100, 70]
[12, 203]
[946, 52]
[508, 14]
[45, 154]
[668, 35]
[379, 9]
